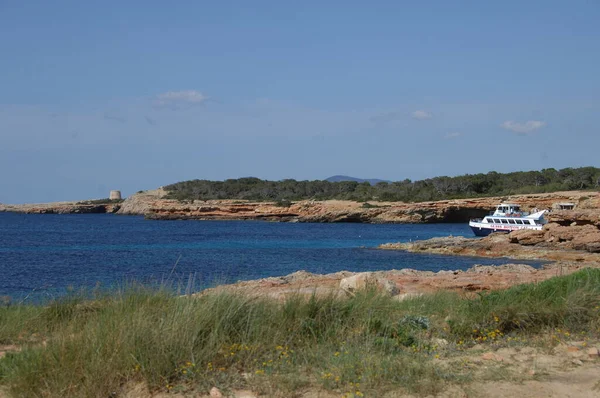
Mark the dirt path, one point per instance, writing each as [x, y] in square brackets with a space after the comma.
[583, 382]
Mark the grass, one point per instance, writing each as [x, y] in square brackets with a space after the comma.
[364, 345]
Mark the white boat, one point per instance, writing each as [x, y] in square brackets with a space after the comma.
[508, 217]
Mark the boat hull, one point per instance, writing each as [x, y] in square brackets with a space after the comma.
[480, 231]
[483, 229]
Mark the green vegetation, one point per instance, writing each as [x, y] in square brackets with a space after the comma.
[364, 345]
[283, 203]
[368, 205]
[438, 188]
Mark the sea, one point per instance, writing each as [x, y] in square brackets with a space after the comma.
[45, 256]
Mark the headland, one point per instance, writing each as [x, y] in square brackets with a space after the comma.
[155, 205]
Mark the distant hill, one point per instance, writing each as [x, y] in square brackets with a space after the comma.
[339, 178]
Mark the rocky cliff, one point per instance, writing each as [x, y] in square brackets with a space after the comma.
[62, 208]
[154, 205]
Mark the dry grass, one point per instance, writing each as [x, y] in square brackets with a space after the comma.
[365, 345]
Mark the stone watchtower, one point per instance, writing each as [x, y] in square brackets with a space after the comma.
[115, 195]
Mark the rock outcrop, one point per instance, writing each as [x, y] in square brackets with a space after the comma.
[527, 237]
[554, 242]
[368, 280]
[154, 205]
[142, 202]
[84, 207]
[574, 237]
[413, 283]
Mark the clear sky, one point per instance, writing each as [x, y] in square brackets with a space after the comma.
[133, 95]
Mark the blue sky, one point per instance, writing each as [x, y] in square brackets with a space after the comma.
[134, 95]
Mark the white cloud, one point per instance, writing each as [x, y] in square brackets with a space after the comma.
[421, 115]
[450, 136]
[523, 128]
[177, 99]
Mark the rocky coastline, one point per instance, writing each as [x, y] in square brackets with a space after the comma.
[407, 283]
[570, 242]
[154, 205]
[83, 207]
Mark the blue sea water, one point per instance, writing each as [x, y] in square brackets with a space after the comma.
[44, 255]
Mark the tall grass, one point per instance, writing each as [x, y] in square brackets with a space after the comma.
[76, 347]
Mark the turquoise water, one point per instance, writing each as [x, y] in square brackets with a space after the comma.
[44, 255]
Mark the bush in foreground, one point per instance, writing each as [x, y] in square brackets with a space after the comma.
[366, 344]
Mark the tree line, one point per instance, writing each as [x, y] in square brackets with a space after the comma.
[438, 188]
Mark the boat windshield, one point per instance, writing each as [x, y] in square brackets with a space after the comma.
[508, 208]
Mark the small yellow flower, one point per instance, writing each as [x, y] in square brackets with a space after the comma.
[337, 354]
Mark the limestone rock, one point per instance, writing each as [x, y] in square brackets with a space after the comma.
[580, 216]
[578, 237]
[527, 237]
[490, 269]
[141, 202]
[588, 239]
[593, 352]
[407, 296]
[366, 280]
[563, 234]
[441, 343]
[215, 393]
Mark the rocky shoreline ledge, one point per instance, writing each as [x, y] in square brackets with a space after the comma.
[154, 205]
[566, 249]
[401, 284]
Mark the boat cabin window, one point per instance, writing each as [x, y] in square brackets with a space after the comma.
[519, 221]
[511, 221]
[509, 209]
[497, 221]
[504, 221]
